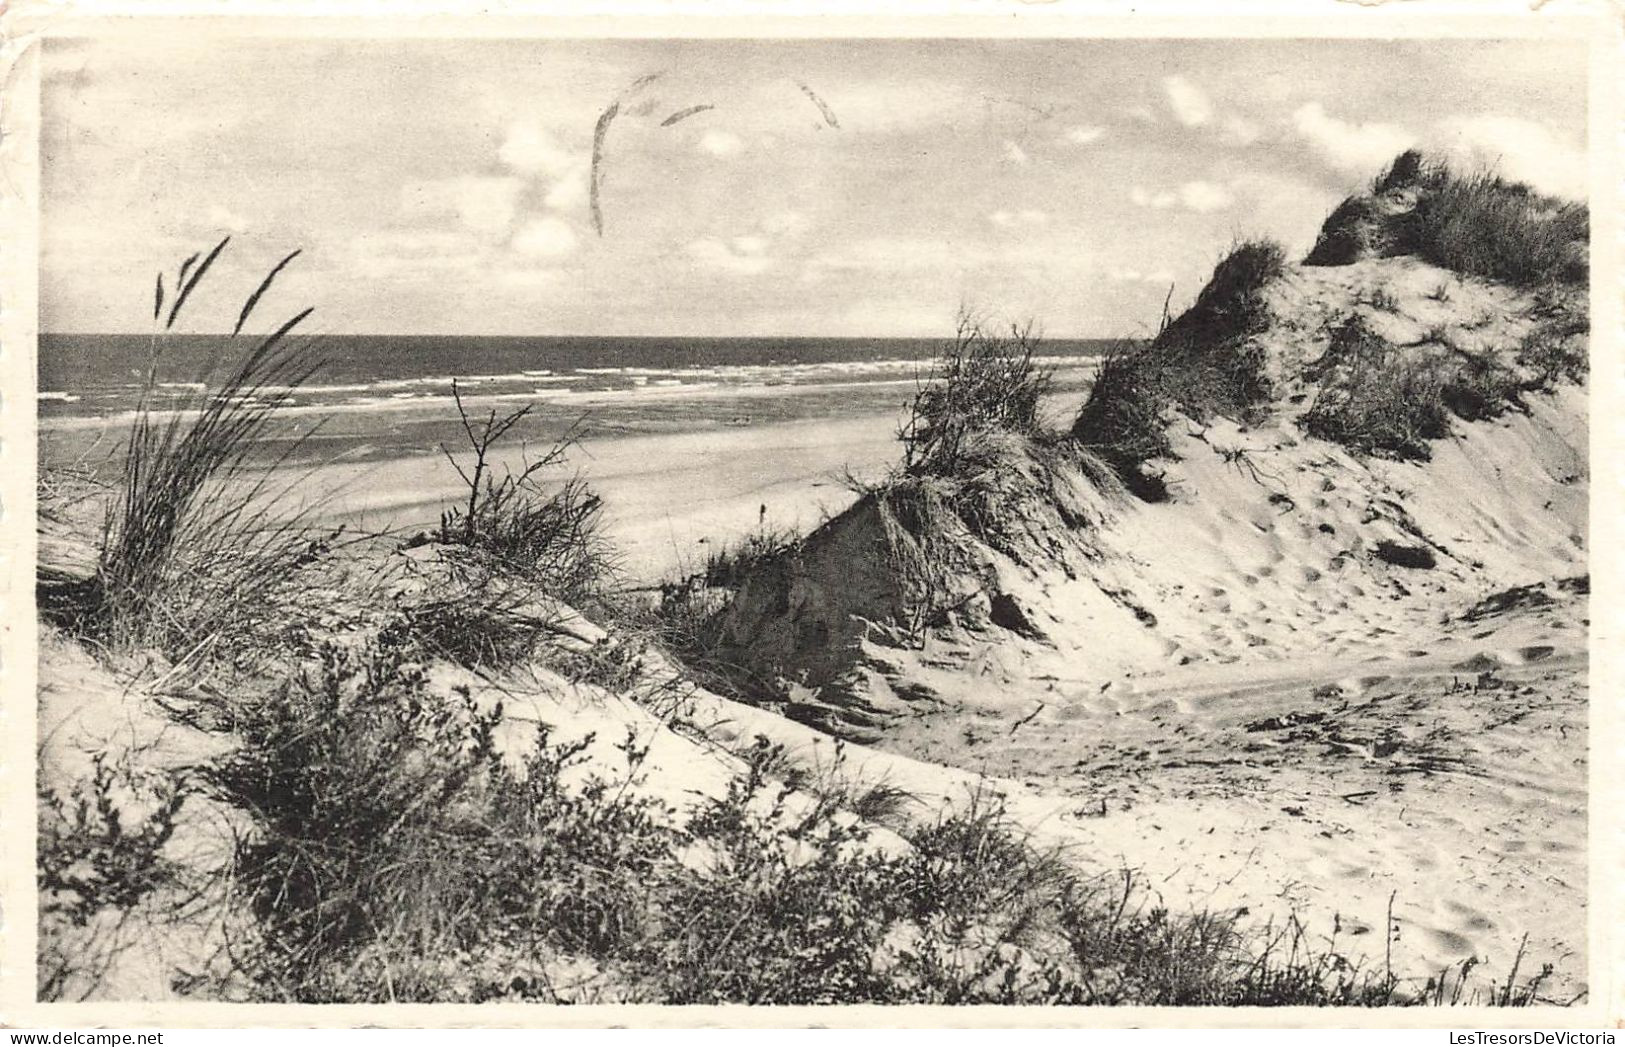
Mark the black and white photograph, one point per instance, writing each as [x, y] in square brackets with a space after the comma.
[1038, 519]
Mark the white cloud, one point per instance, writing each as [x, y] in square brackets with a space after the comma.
[1160, 276]
[1192, 196]
[545, 238]
[1190, 105]
[1083, 135]
[1014, 154]
[1519, 150]
[224, 218]
[483, 204]
[569, 190]
[720, 143]
[749, 244]
[1143, 197]
[1205, 196]
[1350, 147]
[531, 150]
[1238, 130]
[1012, 219]
[714, 254]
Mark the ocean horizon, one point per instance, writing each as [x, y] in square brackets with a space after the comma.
[100, 375]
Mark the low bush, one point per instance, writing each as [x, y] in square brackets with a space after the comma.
[397, 847]
[980, 381]
[1483, 225]
[402, 852]
[1376, 398]
[1379, 398]
[551, 538]
[1478, 223]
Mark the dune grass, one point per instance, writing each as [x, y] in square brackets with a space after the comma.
[1203, 362]
[197, 540]
[1476, 223]
[1378, 398]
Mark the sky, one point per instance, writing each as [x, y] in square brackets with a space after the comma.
[831, 188]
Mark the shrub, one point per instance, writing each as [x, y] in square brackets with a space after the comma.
[1478, 224]
[400, 855]
[1379, 398]
[553, 539]
[1554, 351]
[1205, 363]
[1375, 398]
[194, 545]
[398, 851]
[1405, 170]
[979, 381]
[1351, 232]
[100, 854]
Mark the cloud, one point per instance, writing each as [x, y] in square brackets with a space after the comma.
[227, 219]
[545, 238]
[1143, 197]
[1014, 154]
[1192, 196]
[1190, 105]
[1012, 219]
[1350, 147]
[1160, 276]
[1205, 196]
[569, 191]
[481, 203]
[1521, 150]
[1083, 135]
[720, 143]
[712, 253]
[529, 149]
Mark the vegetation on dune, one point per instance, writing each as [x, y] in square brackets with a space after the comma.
[1378, 398]
[198, 544]
[1477, 223]
[1204, 362]
[402, 856]
[517, 555]
[980, 381]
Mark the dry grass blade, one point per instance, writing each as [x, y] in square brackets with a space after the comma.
[265, 285]
[196, 539]
[186, 286]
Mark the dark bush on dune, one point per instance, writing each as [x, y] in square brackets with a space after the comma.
[1479, 224]
[1203, 362]
[980, 381]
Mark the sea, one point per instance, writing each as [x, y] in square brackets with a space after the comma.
[375, 395]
